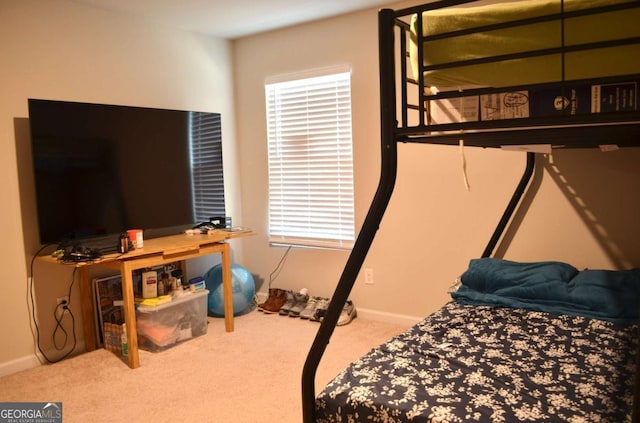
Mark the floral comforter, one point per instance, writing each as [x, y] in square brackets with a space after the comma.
[469, 363]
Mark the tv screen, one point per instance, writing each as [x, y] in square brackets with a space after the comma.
[102, 169]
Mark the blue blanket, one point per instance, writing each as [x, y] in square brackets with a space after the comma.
[553, 287]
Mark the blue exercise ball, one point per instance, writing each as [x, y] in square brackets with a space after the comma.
[244, 289]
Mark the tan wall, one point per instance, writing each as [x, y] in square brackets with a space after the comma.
[433, 226]
[59, 49]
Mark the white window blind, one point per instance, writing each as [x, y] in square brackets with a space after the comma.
[206, 166]
[311, 160]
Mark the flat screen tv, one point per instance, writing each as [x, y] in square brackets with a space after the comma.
[102, 169]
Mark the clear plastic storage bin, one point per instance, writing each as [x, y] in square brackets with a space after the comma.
[163, 326]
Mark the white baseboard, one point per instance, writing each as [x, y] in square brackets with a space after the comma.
[35, 360]
[383, 316]
[261, 297]
[380, 316]
[18, 365]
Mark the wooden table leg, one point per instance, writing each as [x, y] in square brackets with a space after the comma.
[126, 273]
[227, 286]
[88, 312]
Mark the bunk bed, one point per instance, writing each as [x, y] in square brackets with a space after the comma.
[511, 344]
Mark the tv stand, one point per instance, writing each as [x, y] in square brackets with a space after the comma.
[156, 251]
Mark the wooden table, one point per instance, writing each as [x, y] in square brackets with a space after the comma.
[155, 252]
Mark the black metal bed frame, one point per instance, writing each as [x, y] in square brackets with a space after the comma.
[563, 131]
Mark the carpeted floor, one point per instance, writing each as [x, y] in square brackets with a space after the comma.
[250, 375]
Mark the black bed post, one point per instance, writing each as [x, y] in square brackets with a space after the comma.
[373, 217]
[513, 203]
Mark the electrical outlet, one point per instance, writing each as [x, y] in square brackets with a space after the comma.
[61, 302]
[368, 276]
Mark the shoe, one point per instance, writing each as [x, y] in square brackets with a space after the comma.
[347, 314]
[309, 308]
[272, 294]
[286, 307]
[300, 301]
[321, 310]
[277, 298]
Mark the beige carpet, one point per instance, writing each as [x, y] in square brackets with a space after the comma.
[250, 375]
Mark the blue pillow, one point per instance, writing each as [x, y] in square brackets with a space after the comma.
[494, 275]
[553, 287]
[612, 294]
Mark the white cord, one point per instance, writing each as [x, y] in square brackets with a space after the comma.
[464, 166]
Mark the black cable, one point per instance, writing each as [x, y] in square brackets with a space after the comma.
[73, 332]
[59, 326]
[33, 315]
[278, 267]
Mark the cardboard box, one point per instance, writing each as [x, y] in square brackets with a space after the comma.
[585, 99]
[572, 100]
[507, 105]
[453, 110]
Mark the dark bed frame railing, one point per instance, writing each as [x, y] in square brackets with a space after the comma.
[578, 131]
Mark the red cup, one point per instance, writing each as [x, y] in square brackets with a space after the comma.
[135, 235]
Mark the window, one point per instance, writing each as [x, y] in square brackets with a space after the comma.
[310, 159]
[206, 165]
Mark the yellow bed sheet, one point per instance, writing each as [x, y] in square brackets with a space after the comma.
[578, 65]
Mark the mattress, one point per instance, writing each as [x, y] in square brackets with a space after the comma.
[483, 363]
[620, 60]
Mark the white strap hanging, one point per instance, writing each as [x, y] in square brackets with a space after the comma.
[464, 166]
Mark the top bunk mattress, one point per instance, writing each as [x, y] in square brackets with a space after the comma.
[531, 37]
